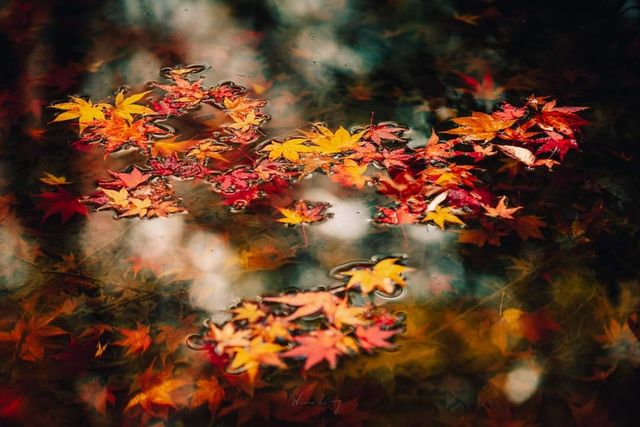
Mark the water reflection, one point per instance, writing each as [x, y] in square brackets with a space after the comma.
[498, 333]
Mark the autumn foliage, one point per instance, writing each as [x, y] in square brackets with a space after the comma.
[440, 183]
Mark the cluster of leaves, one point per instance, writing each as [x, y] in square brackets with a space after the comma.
[313, 325]
[323, 324]
[439, 184]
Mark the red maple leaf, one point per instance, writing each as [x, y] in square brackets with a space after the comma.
[133, 178]
[60, 202]
[556, 143]
[136, 340]
[374, 337]
[321, 345]
[509, 112]
[182, 168]
[390, 132]
[397, 158]
[560, 119]
[238, 179]
[395, 215]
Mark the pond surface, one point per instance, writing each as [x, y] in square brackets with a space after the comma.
[117, 279]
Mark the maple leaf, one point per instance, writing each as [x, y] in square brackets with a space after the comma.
[169, 146]
[501, 210]
[374, 337]
[255, 354]
[249, 312]
[289, 149]
[556, 143]
[365, 153]
[559, 119]
[139, 208]
[244, 122]
[156, 389]
[484, 90]
[183, 168]
[208, 150]
[60, 202]
[327, 142]
[508, 112]
[208, 391]
[136, 340]
[277, 328]
[29, 335]
[132, 179]
[164, 208]
[184, 94]
[345, 314]
[395, 158]
[309, 303]
[242, 104]
[50, 179]
[235, 180]
[350, 173]
[437, 150]
[442, 215]
[479, 237]
[384, 276]
[126, 107]
[117, 198]
[321, 345]
[117, 133]
[85, 111]
[378, 133]
[228, 337]
[479, 126]
[304, 212]
[529, 226]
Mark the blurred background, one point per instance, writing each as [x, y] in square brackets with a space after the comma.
[344, 63]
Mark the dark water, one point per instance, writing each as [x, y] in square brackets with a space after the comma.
[524, 333]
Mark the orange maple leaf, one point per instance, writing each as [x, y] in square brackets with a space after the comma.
[501, 210]
[136, 340]
[479, 126]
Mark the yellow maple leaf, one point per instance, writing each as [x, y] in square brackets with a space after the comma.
[50, 179]
[158, 395]
[208, 150]
[140, 207]
[126, 107]
[384, 276]
[118, 198]
[257, 352]
[84, 111]
[289, 149]
[328, 142]
[440, 216]
[243, 123]
[248, 311]
[228, 337]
